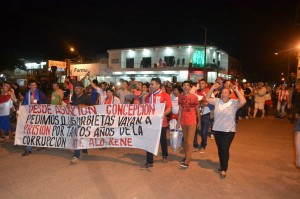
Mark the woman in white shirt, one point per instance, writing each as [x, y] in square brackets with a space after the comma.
[225, 125]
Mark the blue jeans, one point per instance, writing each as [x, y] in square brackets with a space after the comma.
[29, 148]
[195, 144]
[205, 119]
[77, 153]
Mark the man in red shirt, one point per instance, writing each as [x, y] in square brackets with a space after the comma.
[156, 95]
[189, 112]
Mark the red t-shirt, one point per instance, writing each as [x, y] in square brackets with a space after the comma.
[160, 97]
[188, 109]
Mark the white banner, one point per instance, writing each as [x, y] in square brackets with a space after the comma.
[116, 125]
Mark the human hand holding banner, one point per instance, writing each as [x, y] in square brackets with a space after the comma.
[115, 125]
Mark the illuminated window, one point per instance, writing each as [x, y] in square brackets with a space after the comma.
[198, 59]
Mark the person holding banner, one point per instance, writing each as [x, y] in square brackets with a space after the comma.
[110, 98]
[81, 100]
[33, 96]
[159, 96]
[188, 115]
[225, 125]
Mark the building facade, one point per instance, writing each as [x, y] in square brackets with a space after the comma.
[177, 62]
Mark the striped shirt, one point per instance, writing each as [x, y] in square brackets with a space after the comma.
[224, 115]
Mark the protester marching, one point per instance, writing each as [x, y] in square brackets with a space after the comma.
[140, 115]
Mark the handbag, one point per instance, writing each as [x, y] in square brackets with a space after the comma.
[176, 139]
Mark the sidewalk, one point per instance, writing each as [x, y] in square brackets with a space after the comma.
[261, 166]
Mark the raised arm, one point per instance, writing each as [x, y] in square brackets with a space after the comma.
[93, 85]
[208, 98]
[242, 100]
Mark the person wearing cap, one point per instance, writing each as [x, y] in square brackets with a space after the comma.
[81, 100]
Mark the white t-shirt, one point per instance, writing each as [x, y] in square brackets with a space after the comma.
[175, 106]
[102, 94]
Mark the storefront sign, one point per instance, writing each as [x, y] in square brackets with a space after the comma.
[82, 69]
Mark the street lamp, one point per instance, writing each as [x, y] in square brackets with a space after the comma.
[74, 50]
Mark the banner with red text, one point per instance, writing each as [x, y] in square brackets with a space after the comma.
[115, 125]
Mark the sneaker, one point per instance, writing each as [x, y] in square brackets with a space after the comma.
[202, 150]
[212, 137]
[182, 161]
[184, 165]
[195, 149]
[240, 118]
[75, 160]
[26, 153]
[146, 166]
[164, 159]
[246, 117]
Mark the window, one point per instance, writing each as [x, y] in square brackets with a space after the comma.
[146, 62]
[115, 61]
[130, 63]
[170, 61]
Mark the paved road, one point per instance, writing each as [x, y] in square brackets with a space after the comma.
[261, 166]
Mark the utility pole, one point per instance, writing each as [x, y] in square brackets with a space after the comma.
[205, 37]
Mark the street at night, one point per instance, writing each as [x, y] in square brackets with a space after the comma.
[150, 99]
[261, 166]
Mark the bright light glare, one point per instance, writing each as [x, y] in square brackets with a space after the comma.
[276, 53]
[147, 72]
[119, 83]
[72, 49]
[244, 80]
[146, 52]
[189, 49]
[131, 53]
[1, 75]
[169, 51]
[31, 64]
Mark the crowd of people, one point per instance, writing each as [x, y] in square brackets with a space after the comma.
[197, 108]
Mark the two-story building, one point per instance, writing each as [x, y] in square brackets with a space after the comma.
[172, 63]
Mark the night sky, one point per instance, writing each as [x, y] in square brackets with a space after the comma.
[251, 31]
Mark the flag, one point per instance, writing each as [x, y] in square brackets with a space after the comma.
[5, 105]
